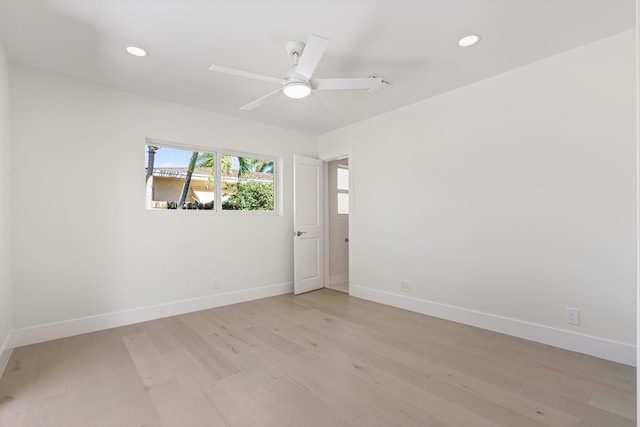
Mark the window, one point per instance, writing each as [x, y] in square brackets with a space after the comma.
[247, 183]
[343, 189]
[186, 179]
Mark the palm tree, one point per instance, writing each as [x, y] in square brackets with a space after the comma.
[152, 153]
[149, 179]
[187, 180]
[244, 167]
[207, 160]
[264, 166]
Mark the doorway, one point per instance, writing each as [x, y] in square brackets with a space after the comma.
[337, 224]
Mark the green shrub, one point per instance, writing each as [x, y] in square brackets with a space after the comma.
[250, 196]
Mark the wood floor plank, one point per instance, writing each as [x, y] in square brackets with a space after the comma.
[622, 405]
[318, 359]
[276, 341]
[16, 389]
[160, 336]
[51, 376]
[150, 365]
[237, 345]
[193, 376]
[133, 407]
[235, 412]
[309, 410]
[332, 384]
[265, 409]
[578, 409]
[200, 412]
[437, 410]
[207, 354]
[49, 410]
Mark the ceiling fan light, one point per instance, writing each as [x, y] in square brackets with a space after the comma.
[296, 90]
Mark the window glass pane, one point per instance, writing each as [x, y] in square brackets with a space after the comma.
[178, 178]
[247, 184]
[343, 178]
[343, 203]
[183, 178]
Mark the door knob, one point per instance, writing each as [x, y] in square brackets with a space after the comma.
[300, 233]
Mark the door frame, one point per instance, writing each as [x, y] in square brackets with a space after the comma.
[325, 190]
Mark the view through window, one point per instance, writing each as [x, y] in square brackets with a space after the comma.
[178, 179]
[343, 189]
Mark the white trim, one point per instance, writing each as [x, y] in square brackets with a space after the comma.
[326, 266]
[326, 158]
[67, 328]
[594, 346]
[5, 352]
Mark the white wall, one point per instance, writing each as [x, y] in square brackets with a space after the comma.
[5, 216]
[638, 200]
[507, 201]
[83, 243]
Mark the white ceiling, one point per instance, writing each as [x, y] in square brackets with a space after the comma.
[410, 43]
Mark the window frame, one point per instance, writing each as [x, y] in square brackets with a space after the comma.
[342, 191]
[217, 178]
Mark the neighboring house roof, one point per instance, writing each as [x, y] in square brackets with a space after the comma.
[203, 173]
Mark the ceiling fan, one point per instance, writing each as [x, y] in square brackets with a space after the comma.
[297, 83]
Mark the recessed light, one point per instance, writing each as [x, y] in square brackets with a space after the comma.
[469, 40]
[136, 51]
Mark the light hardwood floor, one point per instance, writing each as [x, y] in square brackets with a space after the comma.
[318, 359]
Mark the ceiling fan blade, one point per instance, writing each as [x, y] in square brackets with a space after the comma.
[258, 102]
[333, 84]
[311, 55]
[315, 104]
[246, 74]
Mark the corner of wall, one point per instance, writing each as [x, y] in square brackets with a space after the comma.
[637, 198]
[5, 217]
[5, 352]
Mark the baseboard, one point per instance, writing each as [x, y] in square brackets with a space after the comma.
[67, 328]
[594, 346]
[598, 347]
[5, 352]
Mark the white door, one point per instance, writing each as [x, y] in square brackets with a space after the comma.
[307, 223]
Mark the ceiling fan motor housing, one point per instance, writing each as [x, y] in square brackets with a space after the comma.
[295, 48]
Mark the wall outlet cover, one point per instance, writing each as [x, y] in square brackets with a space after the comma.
[572, 316]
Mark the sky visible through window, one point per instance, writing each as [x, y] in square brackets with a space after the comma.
[167, 157]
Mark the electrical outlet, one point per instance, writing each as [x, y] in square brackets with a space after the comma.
[216, 284]
[573, 316]
[405, 286]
